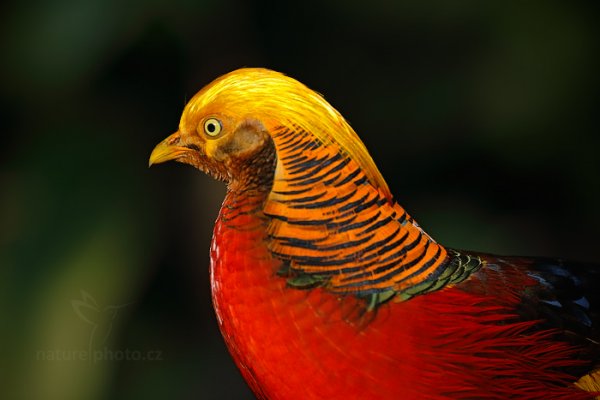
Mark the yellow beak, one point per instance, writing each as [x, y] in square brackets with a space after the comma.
[167, 150]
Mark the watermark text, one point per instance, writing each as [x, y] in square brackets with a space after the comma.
[94, 356]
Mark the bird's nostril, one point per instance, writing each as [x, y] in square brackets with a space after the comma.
[173, 140]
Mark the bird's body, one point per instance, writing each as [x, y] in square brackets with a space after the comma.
[324, 287]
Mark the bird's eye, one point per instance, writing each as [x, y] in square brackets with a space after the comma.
[212, 127]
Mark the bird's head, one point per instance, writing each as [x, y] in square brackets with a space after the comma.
[228, 125]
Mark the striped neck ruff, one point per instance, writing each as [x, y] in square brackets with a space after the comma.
[331, 227]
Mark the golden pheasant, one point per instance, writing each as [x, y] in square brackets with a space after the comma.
[325, 288]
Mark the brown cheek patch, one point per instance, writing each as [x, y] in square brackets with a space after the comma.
[244, 142]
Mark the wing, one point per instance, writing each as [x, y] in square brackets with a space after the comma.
[562, 297]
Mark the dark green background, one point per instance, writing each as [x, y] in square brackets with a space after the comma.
[482, 116]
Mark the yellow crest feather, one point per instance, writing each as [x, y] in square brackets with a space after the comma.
[277, 99]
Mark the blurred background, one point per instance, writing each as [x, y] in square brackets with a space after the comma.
[482, 116]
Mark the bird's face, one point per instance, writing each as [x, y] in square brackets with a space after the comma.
[219, 142]
[230, 128]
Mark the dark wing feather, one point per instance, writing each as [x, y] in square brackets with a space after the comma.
[567, 298]
[563, 296]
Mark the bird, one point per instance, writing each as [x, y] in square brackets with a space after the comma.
[324, 287]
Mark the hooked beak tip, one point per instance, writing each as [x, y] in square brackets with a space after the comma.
[167, 150]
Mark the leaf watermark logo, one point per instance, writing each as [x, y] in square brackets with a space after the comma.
[101, 320]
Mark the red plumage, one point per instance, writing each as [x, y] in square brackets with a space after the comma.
[459, 343]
